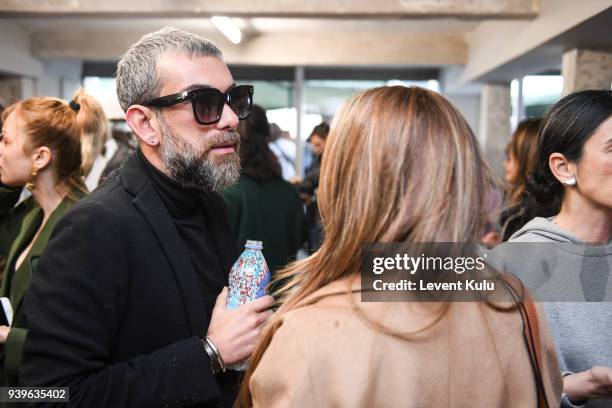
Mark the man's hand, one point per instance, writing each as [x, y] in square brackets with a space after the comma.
[235, 332]
[4, 332]
[593, 383]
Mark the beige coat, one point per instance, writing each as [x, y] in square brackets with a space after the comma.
[325, 355]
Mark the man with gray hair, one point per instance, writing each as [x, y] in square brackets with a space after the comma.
[128, 305]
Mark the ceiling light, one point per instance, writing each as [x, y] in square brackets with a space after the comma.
[228, 27]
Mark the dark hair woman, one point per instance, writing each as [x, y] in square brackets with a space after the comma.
[520, 161]
[263, 206]
[573, 178]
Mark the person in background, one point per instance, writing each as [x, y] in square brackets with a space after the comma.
[325, 346]
[317, 140]
[41, 150]
[262, 206]
[2, 255]
[520, 161]
[285, 149]
[572, 248]
[493, 208]
[308, 188]
[117, 149]
[96, 132]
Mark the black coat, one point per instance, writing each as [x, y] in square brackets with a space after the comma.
[115, 309]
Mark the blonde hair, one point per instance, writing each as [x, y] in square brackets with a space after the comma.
[400, 165]
[95, 130]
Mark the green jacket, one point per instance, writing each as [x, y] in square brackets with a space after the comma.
[270, 211]
[11, 217]
[18, 226]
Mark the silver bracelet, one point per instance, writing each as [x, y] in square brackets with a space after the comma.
[214, 363]
[217, 363]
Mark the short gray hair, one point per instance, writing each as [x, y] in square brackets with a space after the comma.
[137, 77]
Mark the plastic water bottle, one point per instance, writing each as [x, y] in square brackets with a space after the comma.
[248, 279]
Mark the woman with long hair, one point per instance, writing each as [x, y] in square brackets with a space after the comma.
[573, 177]
[262, 206]
[520, 161]
[401, 165]
[41, 150]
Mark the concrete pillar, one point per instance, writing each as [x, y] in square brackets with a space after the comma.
[469, 106]
[494, 131]
[14, 89]
[300, 111]
[48, 86]
[586, 69]
[69, 87]
[10, 91]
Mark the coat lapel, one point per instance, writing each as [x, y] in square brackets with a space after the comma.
[22, 276]
[29, 225]
[149, 204]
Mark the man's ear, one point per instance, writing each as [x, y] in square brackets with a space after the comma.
[41, 157]
[561, 168]
[143, 122]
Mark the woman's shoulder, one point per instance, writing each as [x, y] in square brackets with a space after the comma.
[332, 291]
[323, 305]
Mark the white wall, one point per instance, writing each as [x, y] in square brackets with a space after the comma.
[30, 76]
[15, 57]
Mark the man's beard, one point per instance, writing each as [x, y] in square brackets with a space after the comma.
[191, 168]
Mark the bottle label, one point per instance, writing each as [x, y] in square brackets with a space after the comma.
[248, 278]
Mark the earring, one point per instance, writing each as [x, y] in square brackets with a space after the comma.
[30, 184]
[570, 182]
[152, 141]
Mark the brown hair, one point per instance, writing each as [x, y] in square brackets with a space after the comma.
[321, 130]
[257, 160]
[54, 123]
[401, 165]
[523, 147]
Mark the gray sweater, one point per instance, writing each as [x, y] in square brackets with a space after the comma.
[574, 281]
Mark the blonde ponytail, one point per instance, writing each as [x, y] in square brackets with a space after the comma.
[93, 127]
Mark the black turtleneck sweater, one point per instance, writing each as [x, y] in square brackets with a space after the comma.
[190, 211]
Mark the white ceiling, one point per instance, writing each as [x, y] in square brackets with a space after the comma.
[258, 25]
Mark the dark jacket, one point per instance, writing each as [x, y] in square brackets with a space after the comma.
[15, 282]
[311, 180]
[270, 211]
[11, 217]
[115, 309]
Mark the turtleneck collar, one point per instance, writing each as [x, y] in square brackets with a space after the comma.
[180, 201]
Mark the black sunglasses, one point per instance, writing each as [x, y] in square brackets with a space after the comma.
[208, 103]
